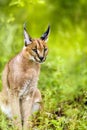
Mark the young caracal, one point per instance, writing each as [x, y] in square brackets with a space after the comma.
[20, 96]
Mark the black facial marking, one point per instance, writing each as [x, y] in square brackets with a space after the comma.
[35, 50]
[45, 49]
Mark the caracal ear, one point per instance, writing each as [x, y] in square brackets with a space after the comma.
[27, 38]
[46, 34]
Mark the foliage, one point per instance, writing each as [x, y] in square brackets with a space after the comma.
[63, 77]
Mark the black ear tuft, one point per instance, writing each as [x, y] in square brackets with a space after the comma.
[27, 38]
[24, 26]
[45, 35]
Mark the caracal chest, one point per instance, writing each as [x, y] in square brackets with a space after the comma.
[23, 77]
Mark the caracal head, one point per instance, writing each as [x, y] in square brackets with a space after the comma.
[36, 48]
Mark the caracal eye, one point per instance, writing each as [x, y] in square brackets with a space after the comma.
[35, 50]
[45, 49]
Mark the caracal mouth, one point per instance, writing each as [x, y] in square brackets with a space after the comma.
[39, 61]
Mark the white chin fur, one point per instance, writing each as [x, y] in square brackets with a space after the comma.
[31, 58]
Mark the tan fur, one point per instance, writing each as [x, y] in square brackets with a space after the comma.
[20, 96]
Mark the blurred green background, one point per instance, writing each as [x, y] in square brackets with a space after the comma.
[63, 78]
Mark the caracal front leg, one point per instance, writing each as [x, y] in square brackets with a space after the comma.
[30, 105]
[16, 113]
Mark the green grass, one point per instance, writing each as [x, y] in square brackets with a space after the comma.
[63, 82]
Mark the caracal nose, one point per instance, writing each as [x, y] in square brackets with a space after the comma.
[41, 58]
